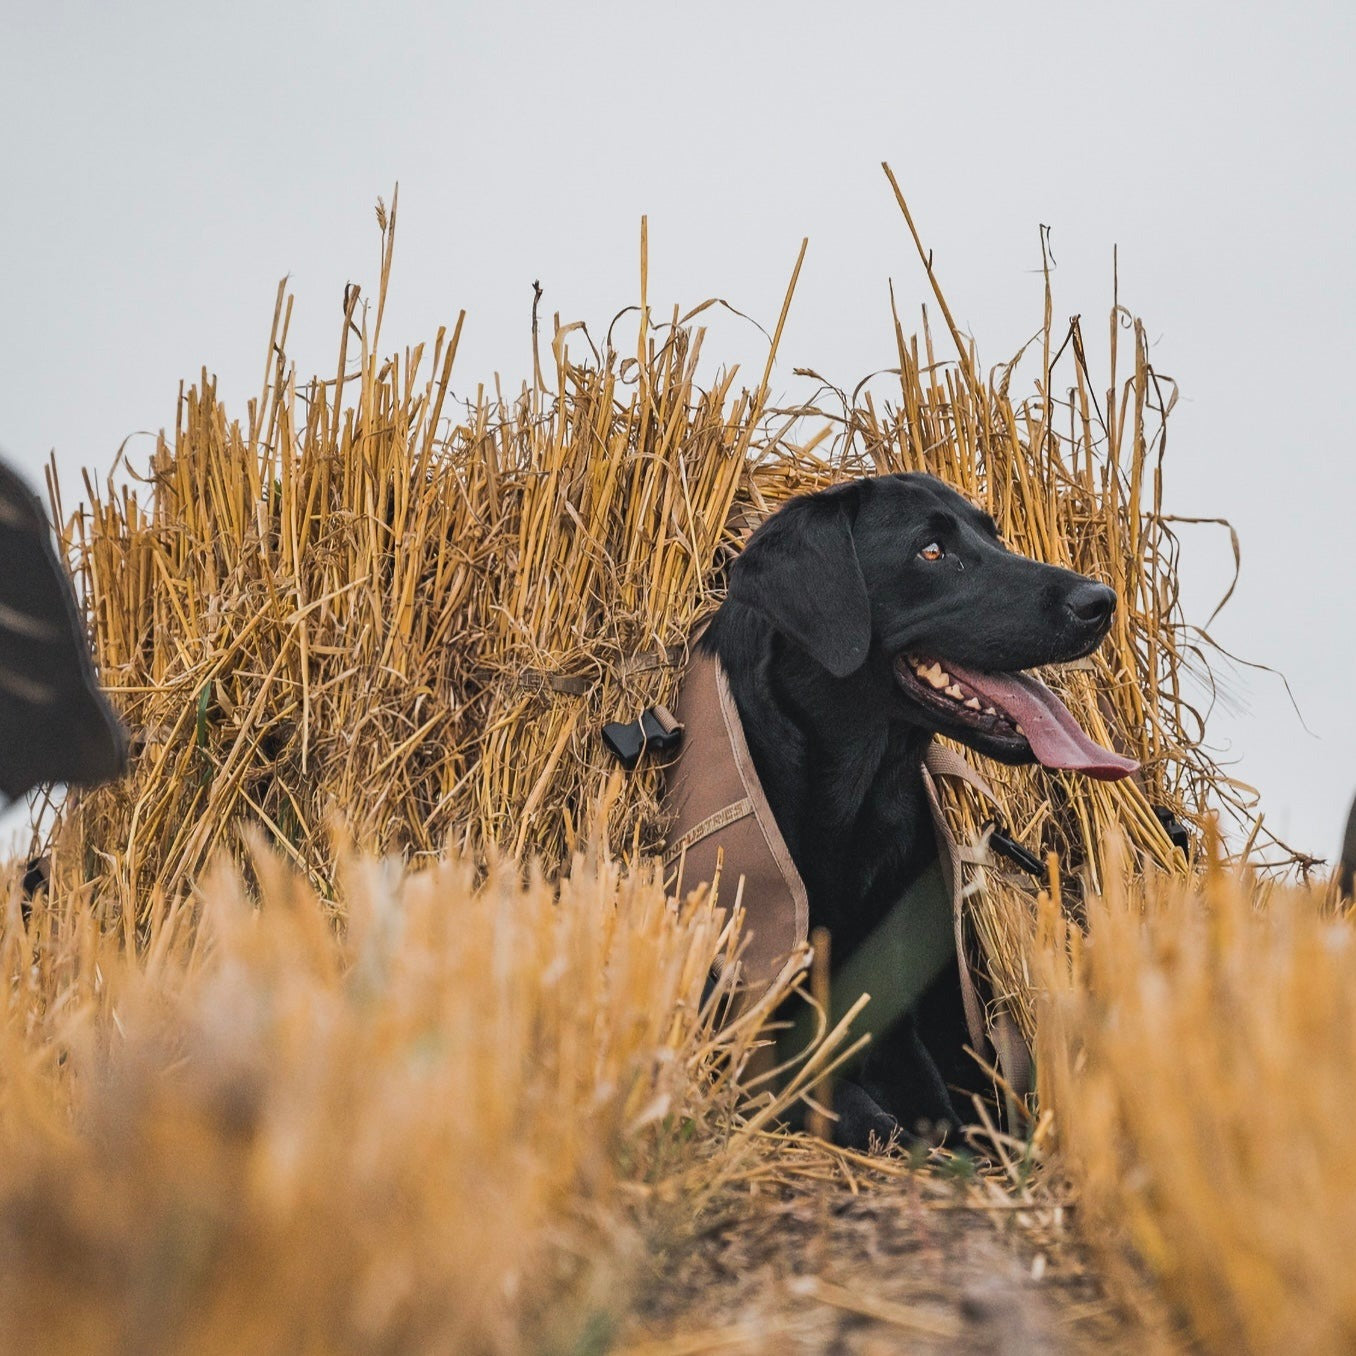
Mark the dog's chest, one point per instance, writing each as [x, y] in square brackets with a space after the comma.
[875, 844]
[857, 824]
[843, 780]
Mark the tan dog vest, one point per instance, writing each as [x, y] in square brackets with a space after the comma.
[721, 819]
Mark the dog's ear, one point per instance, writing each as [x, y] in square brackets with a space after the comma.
[800, 571]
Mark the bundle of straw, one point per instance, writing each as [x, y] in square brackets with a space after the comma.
[351, 603]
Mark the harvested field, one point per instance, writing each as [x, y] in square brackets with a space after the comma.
[356, 1019]
[885, 1258]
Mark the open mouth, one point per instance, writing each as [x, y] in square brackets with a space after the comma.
[1009, 710]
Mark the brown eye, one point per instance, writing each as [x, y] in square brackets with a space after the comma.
[932, 551]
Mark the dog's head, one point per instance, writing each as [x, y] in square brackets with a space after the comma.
[902, 574]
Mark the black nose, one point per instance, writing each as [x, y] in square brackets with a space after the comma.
[1092, 604]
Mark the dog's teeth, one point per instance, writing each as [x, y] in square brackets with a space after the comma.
[990, 711]
[955, 691]
[1020, 731]
[973, 704]
[935, 676]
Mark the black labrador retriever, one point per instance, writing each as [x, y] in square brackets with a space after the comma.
[860, 621]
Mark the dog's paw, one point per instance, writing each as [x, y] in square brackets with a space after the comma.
[863, 1124]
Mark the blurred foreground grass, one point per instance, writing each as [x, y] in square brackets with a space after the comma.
[440, 1119]
[1198, 1049]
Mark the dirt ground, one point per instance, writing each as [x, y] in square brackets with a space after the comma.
[905, 1262]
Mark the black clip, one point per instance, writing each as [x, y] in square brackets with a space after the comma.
[1178, 833]
[654, 730]
[1010, 848]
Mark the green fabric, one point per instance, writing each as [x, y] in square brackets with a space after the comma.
[912, 945]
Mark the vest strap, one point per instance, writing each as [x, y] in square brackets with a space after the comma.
[1001, 1036]
[731, 814]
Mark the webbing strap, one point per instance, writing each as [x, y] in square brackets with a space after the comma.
[944, 762]
[949, 853]
[1002, 1035]
[713, 823]
[1014, 1059]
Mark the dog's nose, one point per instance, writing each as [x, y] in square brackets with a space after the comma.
[1092, 604]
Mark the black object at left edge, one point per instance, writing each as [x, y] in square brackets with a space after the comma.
[56, 725]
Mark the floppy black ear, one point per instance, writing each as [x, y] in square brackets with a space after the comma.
[800, 571]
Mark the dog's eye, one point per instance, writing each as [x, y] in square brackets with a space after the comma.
[932, 551]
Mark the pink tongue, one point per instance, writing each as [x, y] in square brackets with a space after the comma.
[1056, 738]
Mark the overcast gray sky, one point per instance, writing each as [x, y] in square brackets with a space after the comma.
[164, 164]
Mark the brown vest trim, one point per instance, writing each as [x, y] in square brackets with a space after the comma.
[762, 811]
[712, 782]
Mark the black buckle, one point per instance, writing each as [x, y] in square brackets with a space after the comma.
[1178, 833]
[654, 730]
[1009, 847]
